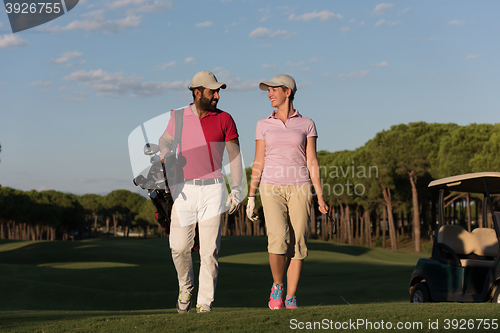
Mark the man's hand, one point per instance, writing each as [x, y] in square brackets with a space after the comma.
[234, 199]
[252, 216]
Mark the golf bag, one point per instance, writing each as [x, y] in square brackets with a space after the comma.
[163, 202]
[156, 181]
[156, 184]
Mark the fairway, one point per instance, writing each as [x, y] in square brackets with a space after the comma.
[123, 284]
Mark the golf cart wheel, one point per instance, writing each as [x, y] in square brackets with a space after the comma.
[420, 293]
[496, 296]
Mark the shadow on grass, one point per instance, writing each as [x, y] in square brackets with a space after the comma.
[334, 274]
[246, 244]
[17, 320]
[136, 250]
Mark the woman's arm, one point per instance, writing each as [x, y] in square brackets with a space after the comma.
[257, 166]
[313, 167]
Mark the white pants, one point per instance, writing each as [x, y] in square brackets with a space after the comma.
[203, 205]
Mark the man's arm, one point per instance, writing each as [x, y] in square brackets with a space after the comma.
[233, 150]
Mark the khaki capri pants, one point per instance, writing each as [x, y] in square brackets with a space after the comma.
[279, 202]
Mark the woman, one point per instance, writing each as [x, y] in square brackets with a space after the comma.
[285, 164]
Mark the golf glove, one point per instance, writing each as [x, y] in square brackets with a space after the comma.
[252, 216]
[234, 199]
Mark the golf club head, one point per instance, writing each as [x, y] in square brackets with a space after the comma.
[333, 222]
[155, 159]
[139, 180]
[151, 149]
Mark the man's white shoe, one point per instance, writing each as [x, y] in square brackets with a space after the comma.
[203, 308]
[184, 301]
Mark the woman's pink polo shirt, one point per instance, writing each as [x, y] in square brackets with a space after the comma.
[285, 155]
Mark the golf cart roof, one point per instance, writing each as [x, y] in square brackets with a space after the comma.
[470, 182]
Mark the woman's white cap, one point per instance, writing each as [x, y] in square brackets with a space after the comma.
[278, 81]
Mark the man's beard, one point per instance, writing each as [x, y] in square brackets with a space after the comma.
[206, 104]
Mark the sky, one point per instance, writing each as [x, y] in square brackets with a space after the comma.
[73, 90]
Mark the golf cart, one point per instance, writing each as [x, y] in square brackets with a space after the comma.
[464, 266]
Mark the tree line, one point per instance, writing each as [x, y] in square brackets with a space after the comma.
[51, 215]
[378, 193]
[389, 175]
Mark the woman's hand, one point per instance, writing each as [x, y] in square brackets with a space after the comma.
[323, 207]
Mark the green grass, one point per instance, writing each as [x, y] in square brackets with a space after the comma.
[125, 285]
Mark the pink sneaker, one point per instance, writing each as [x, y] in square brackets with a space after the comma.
[291, 302]
[276, 299]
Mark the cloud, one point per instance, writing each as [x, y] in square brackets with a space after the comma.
[381, 64]
[267, 33]
[141, 6]
[322, 16]
[94, 21]
[381, 8]
[260, 33]
[295, 64]
[287, 10]
[266, 12]
[390, 23]
[66, 57]
[44, 86]
[354, 74]
[190, 60]
[432, 39]
[116, 84]
[471, 56]
[315, 59]
[41, 84]
[167, 65]
[457, 22]
[268, 66]
[77, 97]
[345, 29]
[12, 41]
[204, 24]
[403, 11]
[118, 4]
[155, 7]
[299, 64]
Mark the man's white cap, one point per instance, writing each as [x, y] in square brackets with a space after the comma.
[206, 79]
[278, 81]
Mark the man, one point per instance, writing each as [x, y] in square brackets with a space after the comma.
[206, 131]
